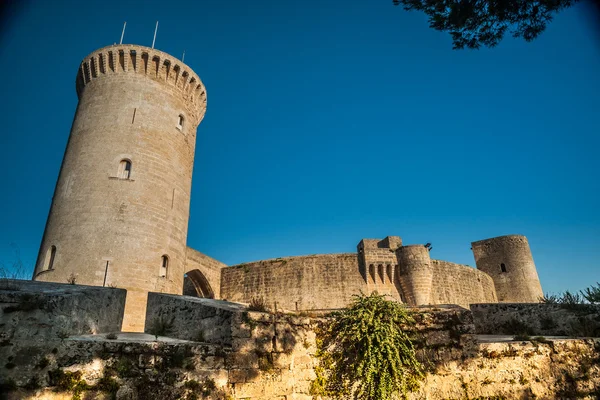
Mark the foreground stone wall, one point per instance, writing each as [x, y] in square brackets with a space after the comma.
[36, 317]
[272, 357]
[165, 370]
[45, 311]
[537, 319]
[193, 318]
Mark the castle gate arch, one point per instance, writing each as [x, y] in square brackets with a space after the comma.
[196, 284]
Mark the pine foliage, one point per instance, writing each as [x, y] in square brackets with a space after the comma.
[475, 23]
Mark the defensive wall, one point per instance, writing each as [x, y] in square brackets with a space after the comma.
[328, 281]
[216, 350]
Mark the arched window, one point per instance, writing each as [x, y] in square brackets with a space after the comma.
[503, 267]
[164, 266]
[49, 260]
[124, 169]
[180, 122]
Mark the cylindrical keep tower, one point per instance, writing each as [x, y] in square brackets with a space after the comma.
[415, 274]
[119, 215]
[508, 260]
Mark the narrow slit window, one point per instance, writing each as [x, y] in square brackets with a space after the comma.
[180, 121]
[164, 266]
[49, 260]
[503, 267]
[124, 169]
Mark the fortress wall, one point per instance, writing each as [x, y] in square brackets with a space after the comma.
[460, 284]
[209, 267]
[537, 319]
[322, 281]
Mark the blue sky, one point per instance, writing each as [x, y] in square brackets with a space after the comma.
[333, 123]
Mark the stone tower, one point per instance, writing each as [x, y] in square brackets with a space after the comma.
[119, 214]
[416, 274]
[508, 260]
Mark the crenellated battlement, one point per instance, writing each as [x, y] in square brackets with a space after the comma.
[145, 61]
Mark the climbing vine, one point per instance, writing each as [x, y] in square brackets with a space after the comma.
[364, 352]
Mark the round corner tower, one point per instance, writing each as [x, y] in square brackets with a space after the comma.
[119, 214]
[508, 260]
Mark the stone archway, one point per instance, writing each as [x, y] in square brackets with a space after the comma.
[196, 284]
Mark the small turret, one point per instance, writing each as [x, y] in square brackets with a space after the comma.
[415, 273]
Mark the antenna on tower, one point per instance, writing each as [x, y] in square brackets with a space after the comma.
[123, 33]
[183, 57]
[155, 30]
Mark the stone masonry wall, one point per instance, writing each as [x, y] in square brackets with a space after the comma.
[36, 317]
[193, 318]
[460, 284]
[537, 319]
[272, 357]
[328, 281]
[325, 281]
[44, 311]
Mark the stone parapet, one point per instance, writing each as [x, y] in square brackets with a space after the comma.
[148, 62]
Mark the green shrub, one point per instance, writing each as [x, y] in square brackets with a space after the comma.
[62, 334]
[592, 294]
[43, 363]
[365, 352]
[107, 384]
[161, 326]
[541, 339]
[125, 368]
[33, 383]
[72, 279]
[10, 276]
[69, 381]
[112, 336]
[258, 304]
